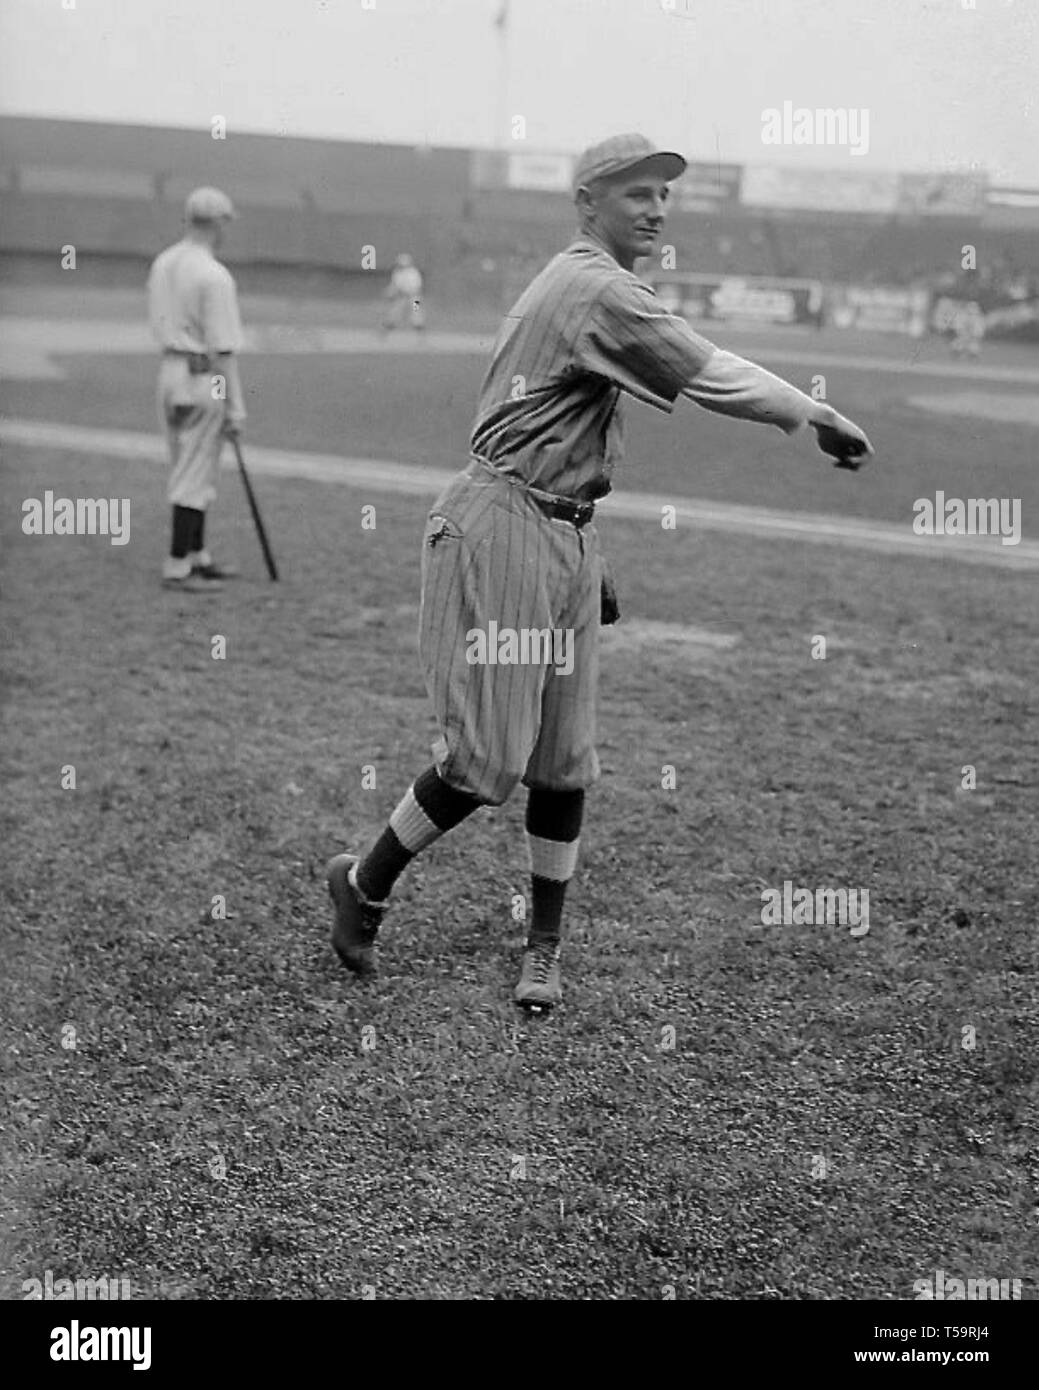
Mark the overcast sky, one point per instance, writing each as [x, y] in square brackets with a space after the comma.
[946, 87]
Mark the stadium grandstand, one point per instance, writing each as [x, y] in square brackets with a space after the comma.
[478, 222]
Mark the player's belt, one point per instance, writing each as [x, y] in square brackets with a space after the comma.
[558, 508]
[577, 513]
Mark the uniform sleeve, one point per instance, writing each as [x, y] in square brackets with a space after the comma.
[631, 339]
[220, 321]
[158, 309]
[730, 385]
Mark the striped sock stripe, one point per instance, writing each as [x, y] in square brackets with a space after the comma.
[412, 827]
[552, 859]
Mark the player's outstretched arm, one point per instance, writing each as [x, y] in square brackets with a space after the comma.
[730, 385]
[630, 339]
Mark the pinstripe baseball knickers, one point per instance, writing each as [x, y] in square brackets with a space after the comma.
[493, 562]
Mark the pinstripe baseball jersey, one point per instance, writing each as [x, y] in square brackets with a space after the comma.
[584, 331]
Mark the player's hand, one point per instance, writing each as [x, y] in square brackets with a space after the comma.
[232, 429]
[846, 444]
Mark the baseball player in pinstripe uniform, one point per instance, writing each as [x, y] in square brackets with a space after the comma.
[510, 549]
[193, 312]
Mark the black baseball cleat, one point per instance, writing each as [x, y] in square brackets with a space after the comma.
[539, 988]
[356, 922]
[214, 573]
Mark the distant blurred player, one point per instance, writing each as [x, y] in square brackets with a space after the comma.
[404, 296]
[968, 327]
[193, 312]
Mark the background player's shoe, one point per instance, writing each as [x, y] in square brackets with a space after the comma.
[203, 567]
[539, 986]
[356, 921]
[177, 574]
[192, 584]
[214, 572]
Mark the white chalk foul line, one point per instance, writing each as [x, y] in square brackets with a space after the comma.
[953, 371]
[998, 406]
[381, 475]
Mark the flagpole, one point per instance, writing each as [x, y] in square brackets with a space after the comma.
[502, 142]
[501, 104]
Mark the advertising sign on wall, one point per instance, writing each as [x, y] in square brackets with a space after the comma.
[941, 195]
[708, 188]
[880, 308]
[548, 173]
[750, 298]
[821, 190]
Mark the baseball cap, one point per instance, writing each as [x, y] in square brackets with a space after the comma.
[623, 152]
[208, 204]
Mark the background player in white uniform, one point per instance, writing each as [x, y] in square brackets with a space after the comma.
[510, 542]
[193, 312]
[404, 295]
[968, 329]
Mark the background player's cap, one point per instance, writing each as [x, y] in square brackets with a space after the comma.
[207, 205]
[621, 153]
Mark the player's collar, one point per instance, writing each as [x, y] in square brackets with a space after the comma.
[201, 246]
[585, 241]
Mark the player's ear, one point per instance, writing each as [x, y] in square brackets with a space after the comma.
[585, 201]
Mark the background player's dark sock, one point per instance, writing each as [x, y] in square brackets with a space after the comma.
[198, 533]
[553, 825]
[429, 809]
[183, 531]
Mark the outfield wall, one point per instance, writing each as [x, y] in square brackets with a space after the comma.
[118, 190]
[478, 228]
[468, 217]
[299, 236]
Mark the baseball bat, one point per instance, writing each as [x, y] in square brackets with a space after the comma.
[272, 568]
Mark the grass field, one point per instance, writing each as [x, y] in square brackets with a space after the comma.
[237, 1119]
